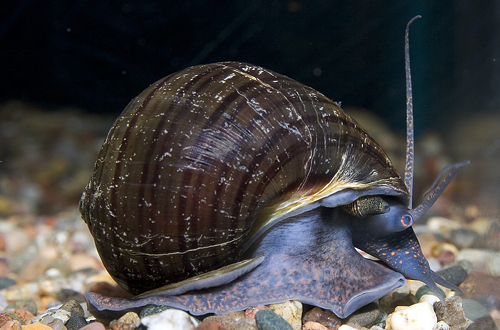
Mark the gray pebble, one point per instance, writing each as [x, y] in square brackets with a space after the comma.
[26, 304]
[152, 310]
[268, 320]
[366, 316]
[68, 294]
[454, 274]
[484, 323]
[424, 289]
[76, 321]
[5, 282]
[463, 238]
[473, 309]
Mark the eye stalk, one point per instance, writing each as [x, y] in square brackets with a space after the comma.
[437, 189]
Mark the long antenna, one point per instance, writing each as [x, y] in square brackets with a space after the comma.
[410, 145]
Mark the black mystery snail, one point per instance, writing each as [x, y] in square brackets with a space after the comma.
[226, 185]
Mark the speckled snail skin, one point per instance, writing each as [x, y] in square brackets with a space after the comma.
[226, 185]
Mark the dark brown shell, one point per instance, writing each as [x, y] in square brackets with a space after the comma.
[192, 161]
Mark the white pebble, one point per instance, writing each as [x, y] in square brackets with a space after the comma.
[430, 298]
[420, 316]
[172, 319]
[442, 225]
[346, 327]
[434, 264]
[489, 259]
[441, 325]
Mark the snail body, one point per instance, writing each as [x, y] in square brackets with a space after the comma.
[227, 185]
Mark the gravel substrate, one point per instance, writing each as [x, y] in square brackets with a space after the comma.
[48, 259]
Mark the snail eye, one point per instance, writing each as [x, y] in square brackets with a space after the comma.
[366, 206]
[406, 220]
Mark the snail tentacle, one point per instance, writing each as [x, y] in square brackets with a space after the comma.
[410, 149]
[420, 210]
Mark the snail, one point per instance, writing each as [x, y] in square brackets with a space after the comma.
[226, 185]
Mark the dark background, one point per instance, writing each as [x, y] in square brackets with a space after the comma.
[98, 55]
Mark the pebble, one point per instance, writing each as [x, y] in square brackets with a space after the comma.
[210, 326]
[366, 316]
[152, 310]
[76, 321]
[50, 314]
[7, 317]
[17, 241]
[420, 316]
[399, 297]
[483, 260]
[37, 326]
[427, 241]
[463, 237]
[479, 284]
[11, 325]
[5, 282]
[473, 309]
[425, 290]
[430, 298]
[57, 324]
[434, 264]
[484, 323]
[228, 320]
[290, 311]
[68, 294]
[439, 248]
[446, 257]
[442, 225]
[455, 274]
[323, 317]
[94, 326]
[441, 325]
[268, 320]
[128, 321]
[347, 327]
[172, 319]
[81, 261]
[244, 323]
[311, 325]
[483, 226]
[72, 306]
[453, 313]
[25, 304]
[250, 312]
[23, 315]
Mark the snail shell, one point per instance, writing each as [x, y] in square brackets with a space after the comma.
[229, 161]
[205, 160]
